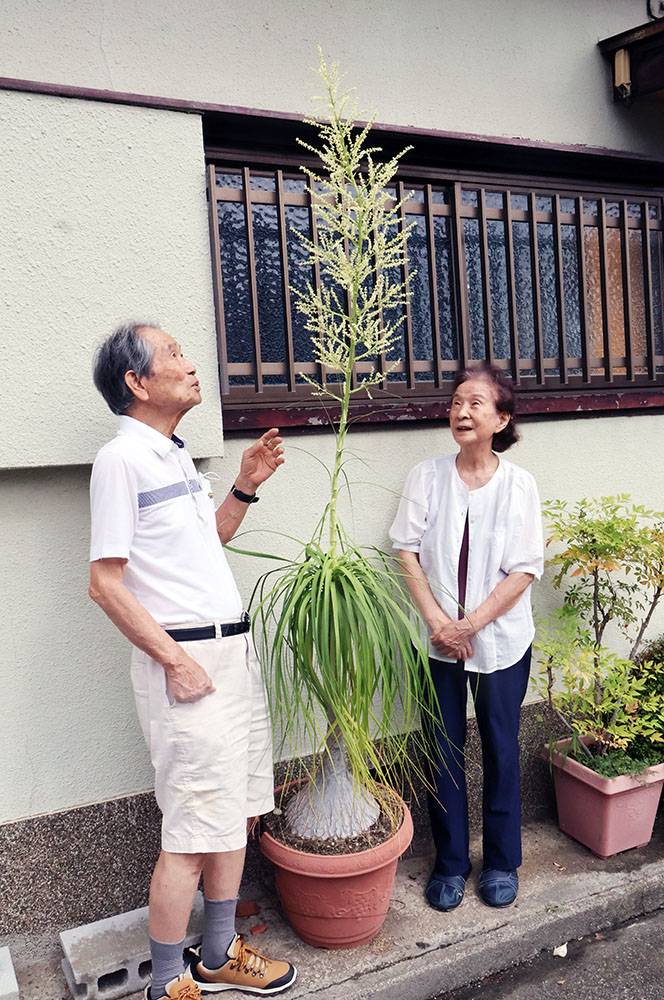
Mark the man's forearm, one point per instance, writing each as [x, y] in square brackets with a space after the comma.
[187, 679]
[132, 619]
[231, 513]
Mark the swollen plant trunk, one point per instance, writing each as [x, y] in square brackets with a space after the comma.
[332, 805]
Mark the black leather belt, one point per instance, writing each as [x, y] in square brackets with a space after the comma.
[209, 631]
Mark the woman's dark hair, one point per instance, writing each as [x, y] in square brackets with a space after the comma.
[503, 396]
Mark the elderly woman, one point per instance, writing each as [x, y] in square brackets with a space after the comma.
[469, 535]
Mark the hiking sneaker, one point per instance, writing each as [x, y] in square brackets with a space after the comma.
[182, 987]
[245, 970]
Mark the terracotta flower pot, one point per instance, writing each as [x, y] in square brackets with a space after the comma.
[337, 900]
[608, 815]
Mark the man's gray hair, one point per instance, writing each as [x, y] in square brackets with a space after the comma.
[124, 351]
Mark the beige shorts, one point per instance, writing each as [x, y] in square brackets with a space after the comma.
[213, 757]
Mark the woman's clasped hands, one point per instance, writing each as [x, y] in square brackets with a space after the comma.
[453, 638]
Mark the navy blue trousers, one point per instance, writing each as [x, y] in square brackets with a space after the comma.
[498, 697]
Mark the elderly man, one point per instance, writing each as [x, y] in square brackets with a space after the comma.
[158, 570]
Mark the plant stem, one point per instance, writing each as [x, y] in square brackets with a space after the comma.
[646, 622]
[338, 458]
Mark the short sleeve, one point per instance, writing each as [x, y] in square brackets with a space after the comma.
[524, 541]
[113, 507]
[413, 513]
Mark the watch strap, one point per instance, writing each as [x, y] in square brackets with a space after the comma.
[244, 497]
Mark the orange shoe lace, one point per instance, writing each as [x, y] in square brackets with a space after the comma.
[249, 960]
[187, 990]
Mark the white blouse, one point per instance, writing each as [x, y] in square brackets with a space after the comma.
[505, 536]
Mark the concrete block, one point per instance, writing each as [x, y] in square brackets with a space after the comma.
[8, 984]
[111, 958]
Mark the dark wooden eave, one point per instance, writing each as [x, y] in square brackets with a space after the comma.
[637, 62]
[231, 128]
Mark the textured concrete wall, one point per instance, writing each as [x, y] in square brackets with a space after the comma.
[526, 68]
[68, 734]
[102, 219]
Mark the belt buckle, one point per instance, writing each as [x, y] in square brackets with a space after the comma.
[245, 619]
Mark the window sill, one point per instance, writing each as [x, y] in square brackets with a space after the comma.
[310, 415]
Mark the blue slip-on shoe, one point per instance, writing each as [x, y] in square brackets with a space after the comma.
[445, 892]
[498, 888]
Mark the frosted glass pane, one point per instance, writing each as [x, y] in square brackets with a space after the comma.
[549, 305]
[615, 294]
[474, 282]
[498, 289]
[299, 273]
[524, 289]
[594, 320]
[397, 352]
[295, 184]
[570, 256]
[448, 342]
[637, 301]
[226, 179]
[235, 279]
[269, 282]
[656, 251]
[420, 303]
[259, 183]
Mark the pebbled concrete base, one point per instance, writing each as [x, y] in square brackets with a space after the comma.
[89, 863]
[8, 983]
[111, 958]
[566, 892]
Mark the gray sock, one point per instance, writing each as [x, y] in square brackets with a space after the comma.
[167, 963]
[218, 931]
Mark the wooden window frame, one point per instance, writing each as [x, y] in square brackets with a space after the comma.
[594, 178]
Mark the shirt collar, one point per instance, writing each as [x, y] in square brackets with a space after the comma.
[154, 438]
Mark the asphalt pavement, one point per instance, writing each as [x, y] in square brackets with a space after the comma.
[626, 963]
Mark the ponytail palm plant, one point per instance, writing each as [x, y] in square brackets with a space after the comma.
[346, 666]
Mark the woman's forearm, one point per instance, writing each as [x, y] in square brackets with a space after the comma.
[420, 589]
[502, 598]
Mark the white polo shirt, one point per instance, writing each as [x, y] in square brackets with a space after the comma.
[151, 507]
[505, 536]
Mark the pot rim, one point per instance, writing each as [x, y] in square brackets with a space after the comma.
[341, 865]
[618, 783]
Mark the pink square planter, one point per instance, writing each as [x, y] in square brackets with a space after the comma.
[608, 815]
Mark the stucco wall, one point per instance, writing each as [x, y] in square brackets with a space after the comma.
[102, 219]
[526, 68]
[68, 733]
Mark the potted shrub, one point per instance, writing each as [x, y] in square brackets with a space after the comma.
[346, 667]
[609, 767]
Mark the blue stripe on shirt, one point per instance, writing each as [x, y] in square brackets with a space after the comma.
[150, 497]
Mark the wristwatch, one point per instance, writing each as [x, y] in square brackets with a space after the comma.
[244, 497]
